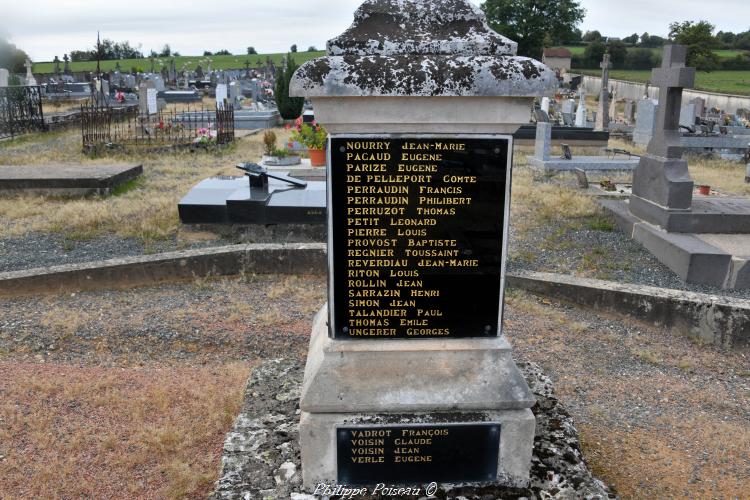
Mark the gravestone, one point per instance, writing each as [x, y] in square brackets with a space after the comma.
[703, 239]
[4, 75]
[581, 112]
[543, 142]
[545, 104]
[629, 111]
[66, 66]
[700, 106]
[30, 80]
[612, 113]
[602, 113]
[147, 103]
[221, 95]
[409, 378]
[688, 115]
[645, 121]
[568, 106]
[235, 92]
[159, 83]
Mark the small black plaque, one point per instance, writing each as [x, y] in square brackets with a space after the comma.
[417, 235]
[414, 454]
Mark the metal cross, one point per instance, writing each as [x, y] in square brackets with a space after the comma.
[671, 78]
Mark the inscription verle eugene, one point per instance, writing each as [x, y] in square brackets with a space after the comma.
[411, 454]
[417, 229]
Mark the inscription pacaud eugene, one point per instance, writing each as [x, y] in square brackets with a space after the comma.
[412, 454]
[417, 236]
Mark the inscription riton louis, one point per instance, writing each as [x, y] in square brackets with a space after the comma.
[417, 235]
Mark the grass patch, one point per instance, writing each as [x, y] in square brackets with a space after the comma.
[99, 432]
[725, 82]
[145, 209]
[601, 224]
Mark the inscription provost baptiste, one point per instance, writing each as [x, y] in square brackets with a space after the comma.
[417, 236]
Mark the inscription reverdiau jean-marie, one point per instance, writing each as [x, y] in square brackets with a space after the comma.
[417, 228]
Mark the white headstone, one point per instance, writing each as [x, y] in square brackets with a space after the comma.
[568, 106]
[545, 104]
[159, 83]
[221, 95]
[581, 114]
[4, 74]
[151, 101]
[30, 80]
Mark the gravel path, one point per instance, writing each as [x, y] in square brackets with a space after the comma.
[595, 248]
[44, 249]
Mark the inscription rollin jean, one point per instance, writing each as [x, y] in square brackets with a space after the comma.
[407, 454]
[417, 236]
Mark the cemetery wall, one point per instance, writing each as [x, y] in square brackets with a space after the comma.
[633, 90]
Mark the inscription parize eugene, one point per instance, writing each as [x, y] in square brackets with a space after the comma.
[417, 236]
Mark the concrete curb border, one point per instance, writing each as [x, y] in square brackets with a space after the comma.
[302, 258]
[722, 321]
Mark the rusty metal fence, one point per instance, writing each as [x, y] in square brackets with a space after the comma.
[20, 111]
[111, 127]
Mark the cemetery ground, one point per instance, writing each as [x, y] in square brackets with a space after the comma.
[130, 393]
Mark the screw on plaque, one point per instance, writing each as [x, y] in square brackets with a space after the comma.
[497, 151]
[342, 149]
[487, 328]
[345, 329]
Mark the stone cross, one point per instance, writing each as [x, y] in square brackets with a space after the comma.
[671, 78]
[66, 67]
[57, 65]
[602, 114]
[30, 80]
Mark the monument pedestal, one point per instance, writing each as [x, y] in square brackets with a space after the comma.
[438, 383]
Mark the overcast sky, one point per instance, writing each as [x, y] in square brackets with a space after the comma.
[45, 28]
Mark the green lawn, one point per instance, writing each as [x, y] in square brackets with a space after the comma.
[724, 54]
[725, 82]
[218, 62]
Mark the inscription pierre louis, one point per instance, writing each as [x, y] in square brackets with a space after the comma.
[401, 215]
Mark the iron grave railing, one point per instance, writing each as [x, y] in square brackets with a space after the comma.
[111, 127]
[20, 111]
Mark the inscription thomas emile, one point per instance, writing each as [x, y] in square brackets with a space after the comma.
[417, 236]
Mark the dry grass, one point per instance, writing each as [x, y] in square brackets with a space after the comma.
[148, 210]
[106, 433]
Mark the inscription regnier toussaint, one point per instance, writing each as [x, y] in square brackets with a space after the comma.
[417, 228]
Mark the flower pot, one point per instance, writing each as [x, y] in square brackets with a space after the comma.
[704, 190]
[317, 157]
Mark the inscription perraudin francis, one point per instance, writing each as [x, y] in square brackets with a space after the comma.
[418, 236]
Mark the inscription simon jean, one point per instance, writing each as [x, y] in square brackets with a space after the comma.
[417, 228]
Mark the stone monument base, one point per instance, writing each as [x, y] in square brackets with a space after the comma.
[410, 382]
[701, 257]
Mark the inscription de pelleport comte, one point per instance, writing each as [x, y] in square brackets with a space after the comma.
[417, 236]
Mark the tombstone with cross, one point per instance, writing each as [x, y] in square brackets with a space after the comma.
[602, 114]
[30, 80]
[662, 181]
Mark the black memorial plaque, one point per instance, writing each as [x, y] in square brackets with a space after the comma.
[413, 454]
[417, 235]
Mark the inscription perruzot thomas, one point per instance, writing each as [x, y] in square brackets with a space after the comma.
[416, 454]
[418, 235]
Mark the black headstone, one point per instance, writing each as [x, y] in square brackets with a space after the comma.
[418, 235]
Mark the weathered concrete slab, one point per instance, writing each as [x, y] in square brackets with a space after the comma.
[721, 321]
[694, 259]
[707, 215]
[587, 163]
[65, 180]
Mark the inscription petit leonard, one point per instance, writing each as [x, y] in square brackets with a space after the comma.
[398, 197]
[394, 446]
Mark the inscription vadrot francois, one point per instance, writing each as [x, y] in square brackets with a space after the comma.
[417, 235]
[410, 454]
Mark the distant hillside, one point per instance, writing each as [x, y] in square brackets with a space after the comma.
[218, 62]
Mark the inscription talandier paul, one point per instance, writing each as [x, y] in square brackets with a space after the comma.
[417, 227]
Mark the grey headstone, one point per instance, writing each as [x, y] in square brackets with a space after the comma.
[4, 74]
[688, 115]
[645, 120]
[568, 106]
[602, 113]
[543, 141]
